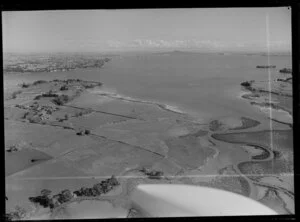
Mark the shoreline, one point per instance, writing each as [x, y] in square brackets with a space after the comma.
[268, 107]
[165, 107]
[118, 96]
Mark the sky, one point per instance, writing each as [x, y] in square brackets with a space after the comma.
[224, 29]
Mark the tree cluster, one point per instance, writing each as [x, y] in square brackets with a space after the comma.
[152, 174]
[25, 85]
[83, 132]
[39, 82]
[64, 88]
[66, 195]
[48, 94]
[99, 188]
[44, 199]
[61, 100]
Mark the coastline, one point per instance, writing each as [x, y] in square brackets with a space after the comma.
[172, 109]
[118, 96]
[273, 109]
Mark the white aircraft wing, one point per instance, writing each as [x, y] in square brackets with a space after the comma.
[170, 200]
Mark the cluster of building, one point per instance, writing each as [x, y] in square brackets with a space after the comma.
[36, 112]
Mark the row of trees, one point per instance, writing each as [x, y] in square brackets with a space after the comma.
[66, 195]
[99, 188]
[47, 94]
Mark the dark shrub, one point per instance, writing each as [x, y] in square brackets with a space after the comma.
[151, 174]
[78, 193]
[48, 94]
[113, 181]
[80, 133]
[246, 84]
[63, 88]
[86, 191]
[87, 132]
[94, 192]
[83, 191]
[24, 85]
[34, 119]
[37, 97]
[67, 127]
[98, 188]
[155, 175]
[144, 170]
[61, 100]
[105, 186]
[42, 200]
[39, 82]
[66, 195]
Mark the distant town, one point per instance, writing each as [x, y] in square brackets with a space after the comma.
[51, 63]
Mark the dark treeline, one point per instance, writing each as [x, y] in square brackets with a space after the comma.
[66, 195]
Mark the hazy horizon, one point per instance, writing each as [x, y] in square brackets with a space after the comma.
[201, 30]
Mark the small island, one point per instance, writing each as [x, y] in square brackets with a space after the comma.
[265, 67]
